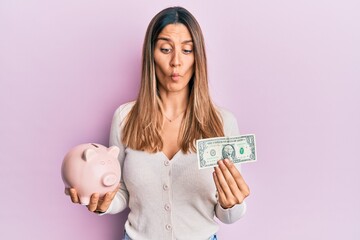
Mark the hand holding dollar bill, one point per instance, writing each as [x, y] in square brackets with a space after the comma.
[238, 149]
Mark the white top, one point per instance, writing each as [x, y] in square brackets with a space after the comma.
[168, 199]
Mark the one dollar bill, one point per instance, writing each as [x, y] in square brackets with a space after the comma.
[238, 149]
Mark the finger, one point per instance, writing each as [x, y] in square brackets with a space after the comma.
[93, 202]
[237, 195]
[225, 202]
[73, 195]
[237, 177]
[234, 194]
[222, 182]
[115, 191]
[221, 194]
[230, 181]
[104, 203]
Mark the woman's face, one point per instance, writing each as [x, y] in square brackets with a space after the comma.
[174, 58]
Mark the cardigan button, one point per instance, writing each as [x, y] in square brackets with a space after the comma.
[167, 207]
[168, 227]
[167, 163]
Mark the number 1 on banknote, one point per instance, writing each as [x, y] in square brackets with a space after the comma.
[238, 149]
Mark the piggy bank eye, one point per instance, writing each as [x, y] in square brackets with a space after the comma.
[102, 162]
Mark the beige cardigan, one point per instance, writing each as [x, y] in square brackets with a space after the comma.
[168, 199]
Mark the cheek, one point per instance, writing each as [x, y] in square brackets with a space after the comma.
[191, 66]
[160, 65]
[160, 72]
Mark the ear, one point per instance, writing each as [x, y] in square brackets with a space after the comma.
[89, 154]
[114, 151]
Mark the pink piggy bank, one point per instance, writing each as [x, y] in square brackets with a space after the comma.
[91, 168]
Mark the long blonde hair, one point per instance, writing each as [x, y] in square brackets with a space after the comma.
[142, 129]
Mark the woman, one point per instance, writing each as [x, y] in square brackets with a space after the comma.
[168, 196]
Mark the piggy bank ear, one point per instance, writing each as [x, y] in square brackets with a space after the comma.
[89, 154]
[114, 151]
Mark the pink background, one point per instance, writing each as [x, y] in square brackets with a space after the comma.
[289, 70]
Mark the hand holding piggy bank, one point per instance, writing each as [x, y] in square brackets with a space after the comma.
[91, 168]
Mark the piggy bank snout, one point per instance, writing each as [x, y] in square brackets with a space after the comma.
[109, 179]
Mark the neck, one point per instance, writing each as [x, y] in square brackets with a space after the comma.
[174, 103]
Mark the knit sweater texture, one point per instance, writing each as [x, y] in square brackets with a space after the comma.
[168, 199]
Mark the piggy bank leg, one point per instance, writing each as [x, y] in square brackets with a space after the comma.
[84, 200]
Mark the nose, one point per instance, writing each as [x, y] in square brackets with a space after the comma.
[175, 60]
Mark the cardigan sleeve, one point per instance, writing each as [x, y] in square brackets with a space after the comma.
[233, 214]
[121, 199]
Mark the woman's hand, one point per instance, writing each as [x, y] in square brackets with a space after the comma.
[97, 204]
[231, 187]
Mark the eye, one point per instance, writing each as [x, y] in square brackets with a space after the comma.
[187, 51]
[165, 50]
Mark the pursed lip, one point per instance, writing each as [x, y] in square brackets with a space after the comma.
[175, 76]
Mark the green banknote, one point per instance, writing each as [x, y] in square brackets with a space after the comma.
[238, 149]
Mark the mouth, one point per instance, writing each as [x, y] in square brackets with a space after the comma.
[175, 76]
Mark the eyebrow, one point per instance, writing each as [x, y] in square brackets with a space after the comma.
[169, 40]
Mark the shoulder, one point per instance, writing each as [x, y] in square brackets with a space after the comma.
[229, 121]
[225, 114]
[117, 121]
[123, 110]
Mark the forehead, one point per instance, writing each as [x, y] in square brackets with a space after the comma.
[176, 32]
